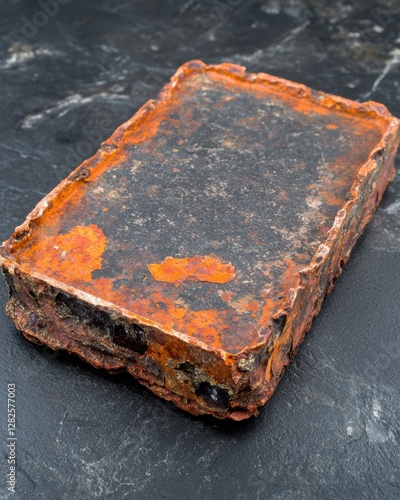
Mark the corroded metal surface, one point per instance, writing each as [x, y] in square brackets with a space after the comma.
[195, 248]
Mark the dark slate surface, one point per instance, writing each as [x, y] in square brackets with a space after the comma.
[332, 430]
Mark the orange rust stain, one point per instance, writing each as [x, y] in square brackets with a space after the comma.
[72, 256]
[200, 268]
[147, 127]
[242, 305]
[289, 279]
[164, 309]
[162, 116]
[226, 296]
[331, 126]
[72, 199]
[268, 311]
[249, 122]
[307, 107]
[290, 276]
[206, 325]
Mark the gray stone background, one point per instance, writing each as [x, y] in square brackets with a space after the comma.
[70, 73]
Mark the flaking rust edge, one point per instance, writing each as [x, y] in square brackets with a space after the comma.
[191, 355]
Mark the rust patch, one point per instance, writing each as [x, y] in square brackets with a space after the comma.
[200, 268]
[72, 256]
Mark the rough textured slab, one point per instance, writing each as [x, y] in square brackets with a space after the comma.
[196, 247]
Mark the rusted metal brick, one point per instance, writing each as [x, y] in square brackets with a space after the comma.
[195, 248]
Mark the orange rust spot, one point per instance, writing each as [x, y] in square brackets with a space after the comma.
[200, 268]
[290, 275]
[204, 324]
[242, 305]
[226, 296]
[72, 256]
[268, 310]
[331, 126]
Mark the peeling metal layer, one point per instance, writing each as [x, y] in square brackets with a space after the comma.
[196, 247]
